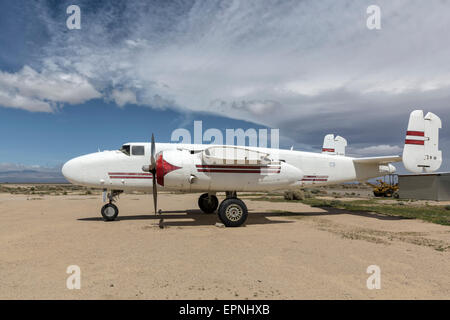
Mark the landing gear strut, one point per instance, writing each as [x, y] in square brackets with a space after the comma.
[208, 203]
[110, 211]
[232, 211]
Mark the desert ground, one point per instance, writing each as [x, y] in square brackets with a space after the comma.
[284, 251]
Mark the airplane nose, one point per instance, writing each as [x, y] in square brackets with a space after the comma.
[71, 171]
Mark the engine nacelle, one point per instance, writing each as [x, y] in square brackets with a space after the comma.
[173, 169]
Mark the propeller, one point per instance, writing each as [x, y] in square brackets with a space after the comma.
[153, 171]
[152, 168]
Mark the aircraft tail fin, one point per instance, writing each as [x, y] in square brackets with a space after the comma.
[421, 152]
[334, 145]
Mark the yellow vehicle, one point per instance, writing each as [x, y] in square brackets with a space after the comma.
[386, 187]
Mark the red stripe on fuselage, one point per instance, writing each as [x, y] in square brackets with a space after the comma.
[218, 166]
[315, 176]
[238, 171]
[130, 177]
[128, 174]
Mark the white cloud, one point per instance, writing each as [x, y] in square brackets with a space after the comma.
[123, 97]
[21, 102]
[27, 89]
[377, 150]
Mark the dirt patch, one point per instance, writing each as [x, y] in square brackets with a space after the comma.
[384, 237]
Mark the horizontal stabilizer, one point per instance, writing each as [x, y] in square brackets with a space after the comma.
[378, 160]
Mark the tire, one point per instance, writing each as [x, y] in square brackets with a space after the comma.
[110, 212]
[233, 212]
[208, 203]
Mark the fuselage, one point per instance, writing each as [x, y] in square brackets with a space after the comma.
[186, 171]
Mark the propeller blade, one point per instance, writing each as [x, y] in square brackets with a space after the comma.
[152, 168]
[155, 192]
[152, 156]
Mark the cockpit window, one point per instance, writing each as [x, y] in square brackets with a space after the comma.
[125, 149]
[138, 151]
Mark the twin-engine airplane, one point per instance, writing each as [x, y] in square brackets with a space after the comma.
[217, 168]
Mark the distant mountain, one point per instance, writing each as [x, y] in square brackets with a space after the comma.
[33, 176]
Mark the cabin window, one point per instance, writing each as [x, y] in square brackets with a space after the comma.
[125, 149]
[138, 151]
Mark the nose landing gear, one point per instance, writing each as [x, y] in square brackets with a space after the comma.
[110, 211]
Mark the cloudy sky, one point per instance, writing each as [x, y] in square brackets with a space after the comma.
[306, 67]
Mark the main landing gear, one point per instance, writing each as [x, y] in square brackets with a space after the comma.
[232, 211]
[208, 203]
[110, 211]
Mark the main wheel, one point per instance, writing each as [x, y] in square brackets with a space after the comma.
[233, 212]
[110, 212]
[208, 203]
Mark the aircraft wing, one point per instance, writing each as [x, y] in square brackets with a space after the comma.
[378, 160]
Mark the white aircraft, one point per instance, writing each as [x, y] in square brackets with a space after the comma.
[212, 168]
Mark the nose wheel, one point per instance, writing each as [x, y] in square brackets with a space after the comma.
[110, 211]
[233, 212]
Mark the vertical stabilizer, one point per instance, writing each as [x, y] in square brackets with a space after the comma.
[334, 145]
[421, 152]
